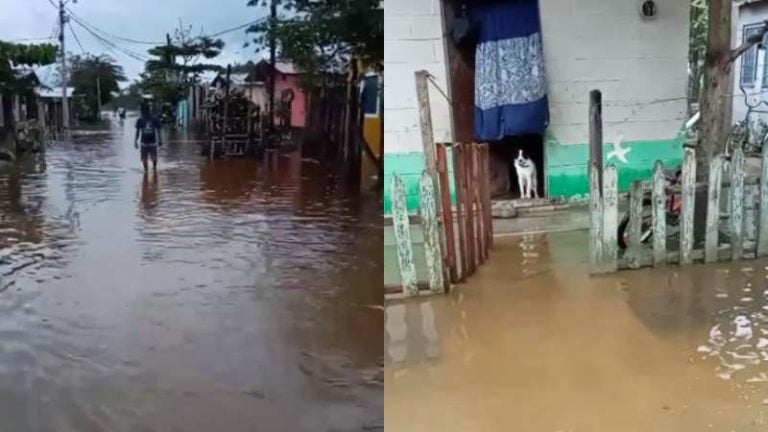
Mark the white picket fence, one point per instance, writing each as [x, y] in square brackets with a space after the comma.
[727, 180]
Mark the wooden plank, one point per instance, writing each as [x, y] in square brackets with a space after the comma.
[432, 250]
[448, 228]
[751, 201]
[635, 223]
[461, 218]
[402, 233]
[658, 202]
[610, 218]
[479, 218]
[596, 133]
[737, 204]
[713, 209]
[762, 225]
[469, 202]
[688, 202]
[425, 123]
[483, 235]
[595, 220]
[487, 179]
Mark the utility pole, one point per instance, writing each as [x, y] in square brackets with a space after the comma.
[64, 103]
[98, 97]
[272, 61]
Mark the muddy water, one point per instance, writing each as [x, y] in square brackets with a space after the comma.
[212, 296]
[534, 344]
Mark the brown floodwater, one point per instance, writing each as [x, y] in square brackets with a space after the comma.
[232, 295]
[533, 343]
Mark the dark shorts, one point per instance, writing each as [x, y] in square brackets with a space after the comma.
[148, 151]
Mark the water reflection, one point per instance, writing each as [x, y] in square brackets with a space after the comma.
[543, 345]
[149, 193]
[200, 298]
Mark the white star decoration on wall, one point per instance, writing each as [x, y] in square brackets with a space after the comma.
[618, 152]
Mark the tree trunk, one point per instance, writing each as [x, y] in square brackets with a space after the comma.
[715, 103]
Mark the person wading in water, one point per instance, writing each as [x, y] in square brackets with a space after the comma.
[148, 129]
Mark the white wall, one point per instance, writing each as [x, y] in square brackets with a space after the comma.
[638, 65]
[753, 14]
[413, 32]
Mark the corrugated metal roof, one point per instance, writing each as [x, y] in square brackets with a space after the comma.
[750, 3]
[54, 93]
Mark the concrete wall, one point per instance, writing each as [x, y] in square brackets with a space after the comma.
[640, 66]
[413, 32]
[299, 105]
[753, 14]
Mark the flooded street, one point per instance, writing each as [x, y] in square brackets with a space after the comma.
[532, 343]
[213, 296]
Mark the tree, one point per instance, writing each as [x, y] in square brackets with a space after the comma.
[697, 46]
[12, 54]
[85, 72]
[175, 66]
[319, 37]
[715, 98]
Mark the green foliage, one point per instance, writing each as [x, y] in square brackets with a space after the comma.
[22, 54]
[85, 71]
[320, 37]
[175, 66]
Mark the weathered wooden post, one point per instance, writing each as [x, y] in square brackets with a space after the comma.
[688, 201]
[402, 232]
[448, 227]
[595, 219]
[425, 122]
[635, 249]
[711, 239]
[659, 209]
[610, 218]
[432, 250]
[461, 216]
[737, 204]
[427, 135]
[477, 204]
[596, 132]
[226, 111]
[486, 179]
[470, 208]
[762, 227]
[596, 178]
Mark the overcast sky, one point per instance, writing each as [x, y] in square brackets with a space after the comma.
[134, 19]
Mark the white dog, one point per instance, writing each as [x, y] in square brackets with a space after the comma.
[526, 176]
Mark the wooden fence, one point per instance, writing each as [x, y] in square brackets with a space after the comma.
[456, 240]
[658, 234]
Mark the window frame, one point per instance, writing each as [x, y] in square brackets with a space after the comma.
[745, 31]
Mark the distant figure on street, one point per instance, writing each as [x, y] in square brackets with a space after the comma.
[148, 130]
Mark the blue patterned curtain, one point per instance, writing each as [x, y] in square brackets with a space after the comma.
[510, 84]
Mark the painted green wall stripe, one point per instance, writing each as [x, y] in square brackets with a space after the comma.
[566, 167]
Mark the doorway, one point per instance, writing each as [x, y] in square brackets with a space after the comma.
[461, 42]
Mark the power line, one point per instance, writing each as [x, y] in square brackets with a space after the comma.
[30, 39]
[82, 22]
[77, 39]
[144, 42]
[237, 28]
[109, 44]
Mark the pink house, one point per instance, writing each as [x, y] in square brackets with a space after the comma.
[286, 86]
